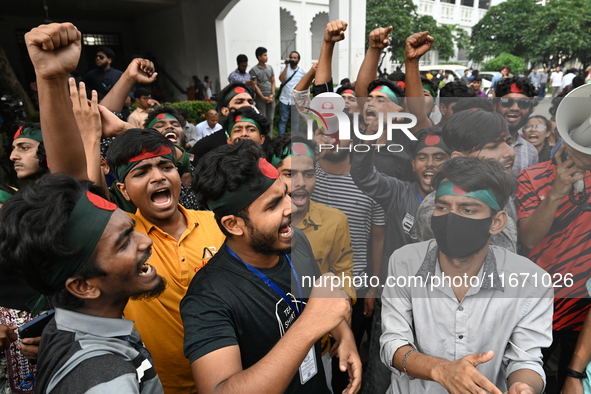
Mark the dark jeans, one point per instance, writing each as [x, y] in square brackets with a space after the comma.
[542, 91]
[567, 341]
[376, 378]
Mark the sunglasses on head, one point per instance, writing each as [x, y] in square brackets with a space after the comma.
[100, 57]
[537, 127]
[508, 102]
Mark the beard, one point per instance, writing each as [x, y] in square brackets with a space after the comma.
[153, 293]
[262, 242]
[336, 157]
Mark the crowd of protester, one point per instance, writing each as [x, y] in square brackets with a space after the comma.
[150, 255]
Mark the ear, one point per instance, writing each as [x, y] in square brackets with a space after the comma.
[233, 224]
[81, 288]
[121, 187]
[499, 222]
[455, 153]
[263, 139]
[229, 140]
[225, 111]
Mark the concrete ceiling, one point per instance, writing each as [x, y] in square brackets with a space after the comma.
[61, 10]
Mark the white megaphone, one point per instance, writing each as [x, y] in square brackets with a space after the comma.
[573, 122]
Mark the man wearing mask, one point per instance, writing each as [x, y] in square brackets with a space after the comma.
[457, 310]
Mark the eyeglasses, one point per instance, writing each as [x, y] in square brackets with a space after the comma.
[100, 57]
[537, 127]
[508, 102]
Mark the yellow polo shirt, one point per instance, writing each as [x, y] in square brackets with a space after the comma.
[159, 320]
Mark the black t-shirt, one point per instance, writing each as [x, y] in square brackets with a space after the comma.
[228, 305]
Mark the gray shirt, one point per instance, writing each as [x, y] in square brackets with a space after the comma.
[506, 239]
[543, 77]
[263, 76]
[512, 317]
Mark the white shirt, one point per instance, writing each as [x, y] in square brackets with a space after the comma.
[203, 129]
[286, 96]
[556, 78]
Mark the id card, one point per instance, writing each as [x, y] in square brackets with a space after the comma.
[309, 368]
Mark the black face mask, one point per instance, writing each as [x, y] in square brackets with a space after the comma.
[459, 237]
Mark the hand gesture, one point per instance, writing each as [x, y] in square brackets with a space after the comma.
[54, 49]
[29, 347]
[335, 31]
[349, 361]
[86, 112]
[327, 306]
[7, 336]
[418, 44]
[141, 71]
[379, 38]
[315, 66]
[461, 376]
[567, 173]
[112, 125]
[524, 388]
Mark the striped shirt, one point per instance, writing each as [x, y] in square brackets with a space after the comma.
[339, 191]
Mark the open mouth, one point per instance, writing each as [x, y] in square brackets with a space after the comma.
[171, 136]
[428, 177]
[508, 165]
[162, 198]
[286, 231]
[512, 117]
[370, 114]
[299, 198]
[145, 269]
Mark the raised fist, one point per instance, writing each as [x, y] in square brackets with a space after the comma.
[54, 49]
[379, 38]
[418, 44]
[335, 31]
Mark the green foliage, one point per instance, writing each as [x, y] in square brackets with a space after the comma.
[403, 16]
[516, 63]
[552, 34]
[195, 109]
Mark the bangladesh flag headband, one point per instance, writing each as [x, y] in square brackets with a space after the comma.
[29, 132]
[164, 115]
[232, 202]
[429, 89]
[122, 171]
[242, 118]
[431, 140]
[348, 91]
[236, 91]
[4, 196]
[85, 226]
[447, 188]
[295, 149]
[388, 92]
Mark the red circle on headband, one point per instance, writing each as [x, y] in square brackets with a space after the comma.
[348, 91]
[432, 140]
[299, 148]
[458, 190]
[161, 116]
[238, 118]
[267, 169]
[377, 88]
[239, 89]
[100, 202]
[401, 84]
[516, 88]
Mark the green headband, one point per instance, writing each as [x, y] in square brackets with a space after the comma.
[388, 92]
[29, 132]
[4, 196]
[164, 151]
[429, 89]
[242, 118]
[232, 202]
[447, 188]
[349, 91]
[294, 149]
[164, 115]
[234, 92]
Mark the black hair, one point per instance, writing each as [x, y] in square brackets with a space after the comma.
[33, 232]
[471, 174]
[107, 51]
[160, 110]
[279, 143]
[477, 79]
[477, 102]
[345, 81]
[543, 119]
[476, 74]
[142, 91]
[397, 76]
[182, 112]
[299, 56]
[431, 83]
[503, 87]
[227, 168]
[579, 80]
[392, 85]
[241, 59]
[251, 113]
[453, 92]
[469, 131]
[132, 142]
[260, 51]
[344, 87]
[222, 95]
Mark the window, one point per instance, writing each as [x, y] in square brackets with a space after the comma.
[484, 4]
[288, 33]
[100, 39]
[317, 28]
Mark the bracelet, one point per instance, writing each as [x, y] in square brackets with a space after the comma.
[575, 374]
[404, 363]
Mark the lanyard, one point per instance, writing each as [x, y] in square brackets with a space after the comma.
[419, 197]
[273, 285]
